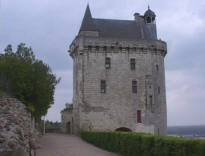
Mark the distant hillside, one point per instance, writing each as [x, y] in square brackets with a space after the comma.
[186, 130]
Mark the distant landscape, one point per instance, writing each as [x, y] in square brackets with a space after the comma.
[187, 130]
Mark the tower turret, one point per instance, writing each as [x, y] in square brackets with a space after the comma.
[149, 16]
[118, 75]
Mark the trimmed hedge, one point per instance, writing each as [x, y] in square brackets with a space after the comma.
[139, 144]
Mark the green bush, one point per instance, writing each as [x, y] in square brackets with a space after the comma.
[139, 144]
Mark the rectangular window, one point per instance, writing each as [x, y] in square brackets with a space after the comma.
[150, 100]
[134, 86]
[132, 63]
[158, 90]
[157, 67]
[103, 86]
[139, 120]
[107, 63]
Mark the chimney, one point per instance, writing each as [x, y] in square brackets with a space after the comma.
[136, 16]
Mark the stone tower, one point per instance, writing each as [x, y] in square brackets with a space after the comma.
[119, 75]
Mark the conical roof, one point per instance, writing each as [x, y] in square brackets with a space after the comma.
[87, 23]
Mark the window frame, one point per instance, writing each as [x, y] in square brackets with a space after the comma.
[158, 89]
[157, 67]
[107, 63]
[103, 86]
[132, 63]
[139, 116]
[134, 86]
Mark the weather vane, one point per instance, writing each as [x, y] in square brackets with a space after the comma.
[147, 1]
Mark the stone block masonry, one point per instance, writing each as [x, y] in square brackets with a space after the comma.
[118, 76]
[16, 128]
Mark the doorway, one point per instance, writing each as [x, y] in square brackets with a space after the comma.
[68, 128]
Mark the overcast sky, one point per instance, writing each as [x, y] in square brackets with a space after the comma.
[49, 26]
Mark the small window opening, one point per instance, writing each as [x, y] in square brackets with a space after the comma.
[157, 67]
[103, 86]
[150, 100]
[139, 120]
[132, 63]
[97, 48]
[112, 48]
[120, 48]
[89, 48]
[134, 86]
[158, 90]
[149, 20]
[104, 48]
[128, 49]
[107, 63]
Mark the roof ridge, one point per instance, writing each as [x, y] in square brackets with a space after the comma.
[112, 19]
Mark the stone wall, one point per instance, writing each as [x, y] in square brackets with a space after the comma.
[17, 128]
[67, 122]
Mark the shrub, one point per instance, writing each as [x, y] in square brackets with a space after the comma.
[139, 144]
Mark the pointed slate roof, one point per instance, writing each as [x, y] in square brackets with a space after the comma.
[127, 29]
[87, 24]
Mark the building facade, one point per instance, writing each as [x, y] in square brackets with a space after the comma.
[119, 75]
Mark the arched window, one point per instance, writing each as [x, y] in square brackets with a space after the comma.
[149, 20]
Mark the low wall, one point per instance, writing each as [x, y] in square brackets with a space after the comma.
[17, 128]
[144, 128]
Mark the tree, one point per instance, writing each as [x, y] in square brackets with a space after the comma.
[68, 107]
[8, 49]
[28, 79]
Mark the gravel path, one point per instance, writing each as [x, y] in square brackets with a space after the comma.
[68, 145]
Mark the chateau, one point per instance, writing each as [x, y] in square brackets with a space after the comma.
[118, 76]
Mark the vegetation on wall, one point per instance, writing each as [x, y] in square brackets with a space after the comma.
[28, 79]
[137, 144]
[68, 107]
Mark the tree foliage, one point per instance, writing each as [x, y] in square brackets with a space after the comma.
[68, 107]
[28, 79]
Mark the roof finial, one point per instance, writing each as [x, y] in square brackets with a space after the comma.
[148, 7]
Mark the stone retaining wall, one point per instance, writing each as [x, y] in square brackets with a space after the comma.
[17, 128]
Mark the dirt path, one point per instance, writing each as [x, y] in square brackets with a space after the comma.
[68, 145]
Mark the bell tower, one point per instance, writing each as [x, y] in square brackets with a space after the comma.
[149, 16]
